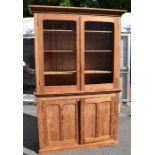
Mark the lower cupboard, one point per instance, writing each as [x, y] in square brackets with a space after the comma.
[77, 122]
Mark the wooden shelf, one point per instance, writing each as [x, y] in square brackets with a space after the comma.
[74, 50]
[59, 72]
[97, 72]
[72, 72]
[98, 50]
[59, 51]
[57, 30]
[94, 31]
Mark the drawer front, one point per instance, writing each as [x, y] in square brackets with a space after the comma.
[98, 119]
[58, 122]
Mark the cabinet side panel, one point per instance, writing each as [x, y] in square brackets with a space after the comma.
[90, 120]
[53, 124]
[117, 53]
[36, 47]
[40, 124]
[69, 121]
[116, 101]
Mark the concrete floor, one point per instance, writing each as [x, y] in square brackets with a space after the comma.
[30, 135]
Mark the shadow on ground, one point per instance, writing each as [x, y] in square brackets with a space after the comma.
[30, 132]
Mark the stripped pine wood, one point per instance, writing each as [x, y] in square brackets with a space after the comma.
[97, 119]
[54, 30]
[71, 72]
[59, 117]
[77, 54]
[91, 31]
[98, 50]
[58, 50]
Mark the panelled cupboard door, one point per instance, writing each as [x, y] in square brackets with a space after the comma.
[97, 119]
[58, 122]
[99, 53]
[57, 53]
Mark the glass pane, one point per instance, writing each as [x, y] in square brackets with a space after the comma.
[59, 52]
[99, 47]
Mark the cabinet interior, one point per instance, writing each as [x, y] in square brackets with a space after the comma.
[60, 52]
[99, 47]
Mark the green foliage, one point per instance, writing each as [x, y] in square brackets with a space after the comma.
[112, 4]
[115, 4]
[65, 3]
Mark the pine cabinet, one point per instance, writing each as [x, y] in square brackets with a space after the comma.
[77, 76]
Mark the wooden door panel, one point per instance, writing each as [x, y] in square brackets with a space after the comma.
[97, 116]
[90, 119]
[53, 121]
[59, 122]
[69, 114]
[104, 118]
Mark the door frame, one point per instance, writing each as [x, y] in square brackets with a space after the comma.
[113, 121]
[116, 73]
[39, 54]
[42, 106]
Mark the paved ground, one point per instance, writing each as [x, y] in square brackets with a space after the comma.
[30, 135]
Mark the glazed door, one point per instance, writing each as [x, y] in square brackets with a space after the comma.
[58, 122]
[98, 119]
[58, 52]
[100, 53]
